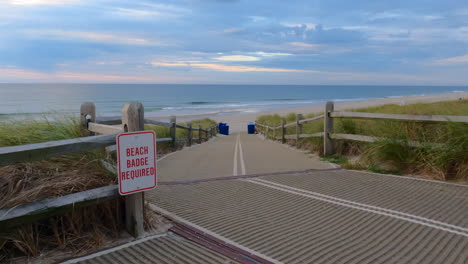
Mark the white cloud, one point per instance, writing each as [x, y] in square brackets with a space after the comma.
[237, 58]
[270, 54]
[98, 37]
[41, 2]
[151, 11]
[452, 60]
[226, 68]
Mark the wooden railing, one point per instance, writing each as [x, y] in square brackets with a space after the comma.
[132, 120]
[329, 136]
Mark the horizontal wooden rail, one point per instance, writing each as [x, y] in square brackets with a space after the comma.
[311, 119]
[110, 120]
[31, 212]
[39, 151]
[104, 129]
[157, 123]
[371, 139]
[318, 134]
[418, 118]
[182, 126]
[290, 124]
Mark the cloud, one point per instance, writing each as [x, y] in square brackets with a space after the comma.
[270, 54]
[97, 37]
[41, 2]
[452, 60]
[150, 12]
[65, 76]
[303, 45]
[237, 58]
[226, 68]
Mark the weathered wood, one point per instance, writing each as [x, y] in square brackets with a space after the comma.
[104, 129]
[32, 212]
[87, 114]
[189, 133]
[283, 131]
[290, 124]
[163, 139]
[328, 146]
[157, 123]
[371, 139]
[416, 118]
[299, 117]
[182, 126]
[133, 120]
[109, 120]
[319, 134]
[40, 151]
[173, 130]
[312, 119]
[200, 134]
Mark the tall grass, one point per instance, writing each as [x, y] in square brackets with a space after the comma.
[444, 151]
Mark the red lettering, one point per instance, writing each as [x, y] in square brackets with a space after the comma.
[128, 152]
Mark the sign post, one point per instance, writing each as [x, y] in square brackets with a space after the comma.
[136, 160]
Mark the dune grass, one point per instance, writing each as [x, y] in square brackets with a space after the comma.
[447, 159]
[79, 230]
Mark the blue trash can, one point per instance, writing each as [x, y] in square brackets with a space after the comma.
[251, 128]
[223, 129]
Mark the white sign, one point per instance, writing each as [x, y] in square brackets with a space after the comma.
[136, 162]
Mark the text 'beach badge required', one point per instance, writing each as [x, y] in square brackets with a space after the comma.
[136, 162]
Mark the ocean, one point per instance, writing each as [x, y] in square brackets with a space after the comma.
[162, 100]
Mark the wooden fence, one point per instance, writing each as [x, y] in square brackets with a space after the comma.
[328, 134]
[132, 119]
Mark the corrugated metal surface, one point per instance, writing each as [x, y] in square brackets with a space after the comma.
[165, 249]
[435, 200]
[296, 229]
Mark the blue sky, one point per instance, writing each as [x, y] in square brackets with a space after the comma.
[235, 42]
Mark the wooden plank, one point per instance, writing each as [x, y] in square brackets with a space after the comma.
[39, 151]
[290, 124]
[133, 120]
[32, 212]
[190, 133]
[371, 139]
[328, 144]
[104, 129]
[109, 120]
[113, 148]
[299, 117]
[417, 118]
[283, 131]
[354, 137]
[157, 123]
[311, 119]
[163, 139]
[173, 130]
[87, 114]
[319, 134]
[182, 126]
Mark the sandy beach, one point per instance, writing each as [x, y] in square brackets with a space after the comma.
[240, 121]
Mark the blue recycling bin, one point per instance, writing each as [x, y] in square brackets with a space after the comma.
[223, 129]
[251, 128]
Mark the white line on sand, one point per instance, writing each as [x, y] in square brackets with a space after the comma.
[241, 155]
[206, 231]
[234, 168]
[365, 207]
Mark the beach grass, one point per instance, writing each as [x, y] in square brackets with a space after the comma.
[443, 151]
[77, 231]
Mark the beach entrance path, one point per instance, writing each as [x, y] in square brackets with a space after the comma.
[235, 154]
[252, 201]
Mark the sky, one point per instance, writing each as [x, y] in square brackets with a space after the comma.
[397, 42]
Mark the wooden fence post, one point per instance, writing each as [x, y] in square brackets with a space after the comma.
[266, 133]
[283, 131]
[190, 133]
[133, 120]
[298, 127]
[328, 144]
[200, 135]
[87, 114]
[173, 130]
